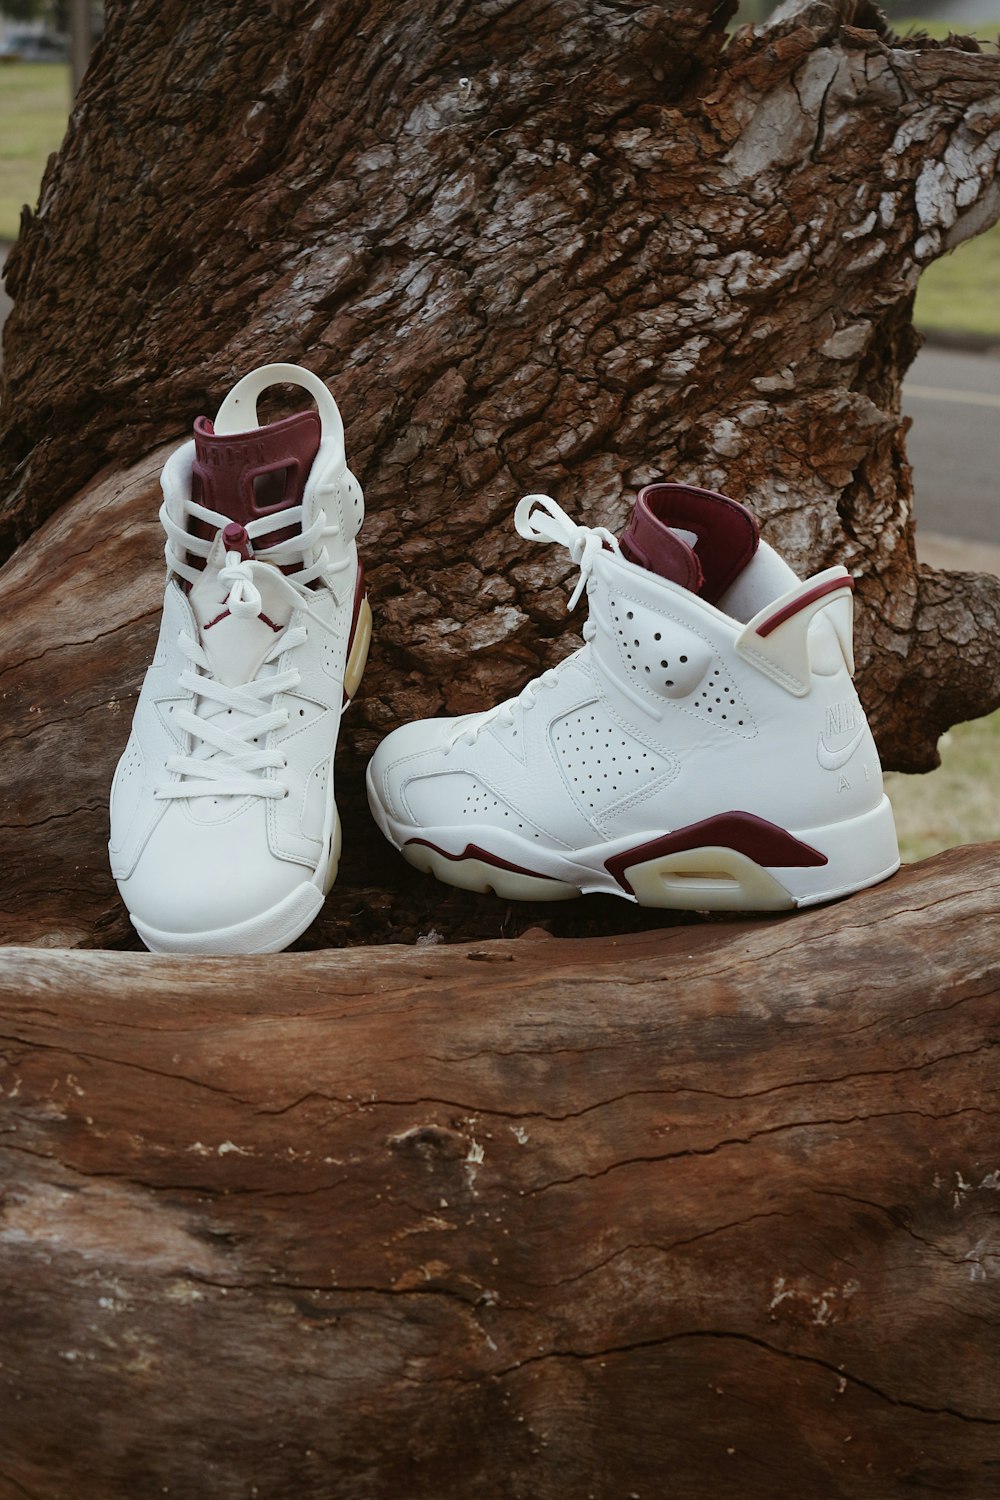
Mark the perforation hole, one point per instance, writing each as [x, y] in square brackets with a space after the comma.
[480, 803]
[599, 761]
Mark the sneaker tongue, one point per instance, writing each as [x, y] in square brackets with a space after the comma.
[246, 475]
[236, 645]
[692, 537]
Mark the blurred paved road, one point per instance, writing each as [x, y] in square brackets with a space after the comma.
[957, 13]
[954, 443]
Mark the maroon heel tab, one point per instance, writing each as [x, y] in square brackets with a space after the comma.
[726, 536]
[247, 474]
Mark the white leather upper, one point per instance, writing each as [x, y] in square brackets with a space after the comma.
[200, 862]
[657, 722]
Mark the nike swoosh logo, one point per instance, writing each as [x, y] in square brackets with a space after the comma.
[832, 760]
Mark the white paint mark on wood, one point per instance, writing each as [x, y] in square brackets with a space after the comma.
[961, 1188]
[822, 1307]
[108, 1223]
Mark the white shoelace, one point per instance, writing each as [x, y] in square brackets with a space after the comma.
[231, 758]
[539, 518]
[297, 549]
[235, 756]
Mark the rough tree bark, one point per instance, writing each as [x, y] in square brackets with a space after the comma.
[533, 243]
[713, 1214]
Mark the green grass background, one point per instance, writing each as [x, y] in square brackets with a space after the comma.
[34, 107]
[960, 802]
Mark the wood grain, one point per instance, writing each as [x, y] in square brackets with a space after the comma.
[710, 1211]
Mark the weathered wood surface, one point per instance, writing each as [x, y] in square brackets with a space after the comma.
[535, 243]
[709, 1212]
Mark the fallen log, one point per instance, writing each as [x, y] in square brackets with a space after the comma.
[702, 1211]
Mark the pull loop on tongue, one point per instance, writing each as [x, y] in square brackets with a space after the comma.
[238, 413]
[539, 518]
[253, 474]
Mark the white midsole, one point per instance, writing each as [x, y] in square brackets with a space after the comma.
[860, 851]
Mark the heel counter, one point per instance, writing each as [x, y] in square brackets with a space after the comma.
[804, 642]
[779, 641]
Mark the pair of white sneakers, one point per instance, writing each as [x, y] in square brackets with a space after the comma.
[704, 749]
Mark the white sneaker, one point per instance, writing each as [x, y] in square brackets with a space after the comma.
[224, 829]
[704, 749]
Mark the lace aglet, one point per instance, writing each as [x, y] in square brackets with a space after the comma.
[235, 538]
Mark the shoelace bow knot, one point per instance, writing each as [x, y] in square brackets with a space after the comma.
[244, 600]
[539, 518]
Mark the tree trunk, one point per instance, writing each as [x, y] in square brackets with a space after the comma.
[703, 1211]
[535, 244]
[706, 1212]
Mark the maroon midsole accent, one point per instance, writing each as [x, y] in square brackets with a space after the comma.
[830, 587]
[473, 851]
[225, 612]
[743, 832]
[359, 594]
